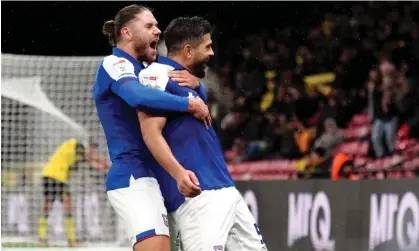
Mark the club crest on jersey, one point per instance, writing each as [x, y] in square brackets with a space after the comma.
[218, 248]
[166, 222]
[150, 81]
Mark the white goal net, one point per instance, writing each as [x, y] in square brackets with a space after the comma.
[45, 101]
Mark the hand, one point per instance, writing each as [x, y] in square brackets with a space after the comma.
[199, 110]
[188, 184]
[184, 78]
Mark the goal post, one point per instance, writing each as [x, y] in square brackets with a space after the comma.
[45, 101]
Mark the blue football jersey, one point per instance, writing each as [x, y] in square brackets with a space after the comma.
[196, 148]
[118, 95]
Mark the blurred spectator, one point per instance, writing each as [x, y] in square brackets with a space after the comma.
[238, 152]
[385, 112]
[374, 80]
[303, 137]
[286, 145]
[342, 167]
[317, 166]
[290, 90]
[330, 138]
[232, 125]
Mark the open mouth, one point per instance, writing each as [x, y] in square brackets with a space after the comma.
[153, 45]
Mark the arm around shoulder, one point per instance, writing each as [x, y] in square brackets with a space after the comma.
[126, 85]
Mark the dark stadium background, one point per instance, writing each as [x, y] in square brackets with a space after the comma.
[74, 28]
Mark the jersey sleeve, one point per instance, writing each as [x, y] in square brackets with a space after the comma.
[119, 69]
[155, 76]
[125, 84]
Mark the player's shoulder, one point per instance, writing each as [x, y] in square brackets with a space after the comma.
[157, 69]
[68, 146]
[70, 142]
[112, 61]
[155, 75]
[118, 67]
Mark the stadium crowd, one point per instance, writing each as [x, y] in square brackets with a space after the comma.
[301, 93]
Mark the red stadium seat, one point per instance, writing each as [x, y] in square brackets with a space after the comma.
[349, 148]
[403, 132]
[379, 176]
[413, 149]
[396, 159]
[275, 167]
[357, 148]
[409, 175]
[363, 148]
[371, 165]
[356, 132]
[267, 176]
[239, 168]
[360, 161]
[230, 154]
[401, 144]
[404, 144]
[246, 176]
[395, 175]
[359, 128]
[359, 120]
[411, 164]
[385, 163]
[347, 133]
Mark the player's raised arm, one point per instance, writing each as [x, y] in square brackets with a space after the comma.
[125, 84]
[151, 129]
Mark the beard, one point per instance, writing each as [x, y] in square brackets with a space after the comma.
[199, 69]
[149, 55]
[140, 47]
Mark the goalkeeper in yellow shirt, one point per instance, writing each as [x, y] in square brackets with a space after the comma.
[56, 174]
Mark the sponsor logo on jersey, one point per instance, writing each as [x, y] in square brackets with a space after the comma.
[150, 81]
[120, 66]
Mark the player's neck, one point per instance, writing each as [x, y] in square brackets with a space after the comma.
[178, 59]
[128, 49]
